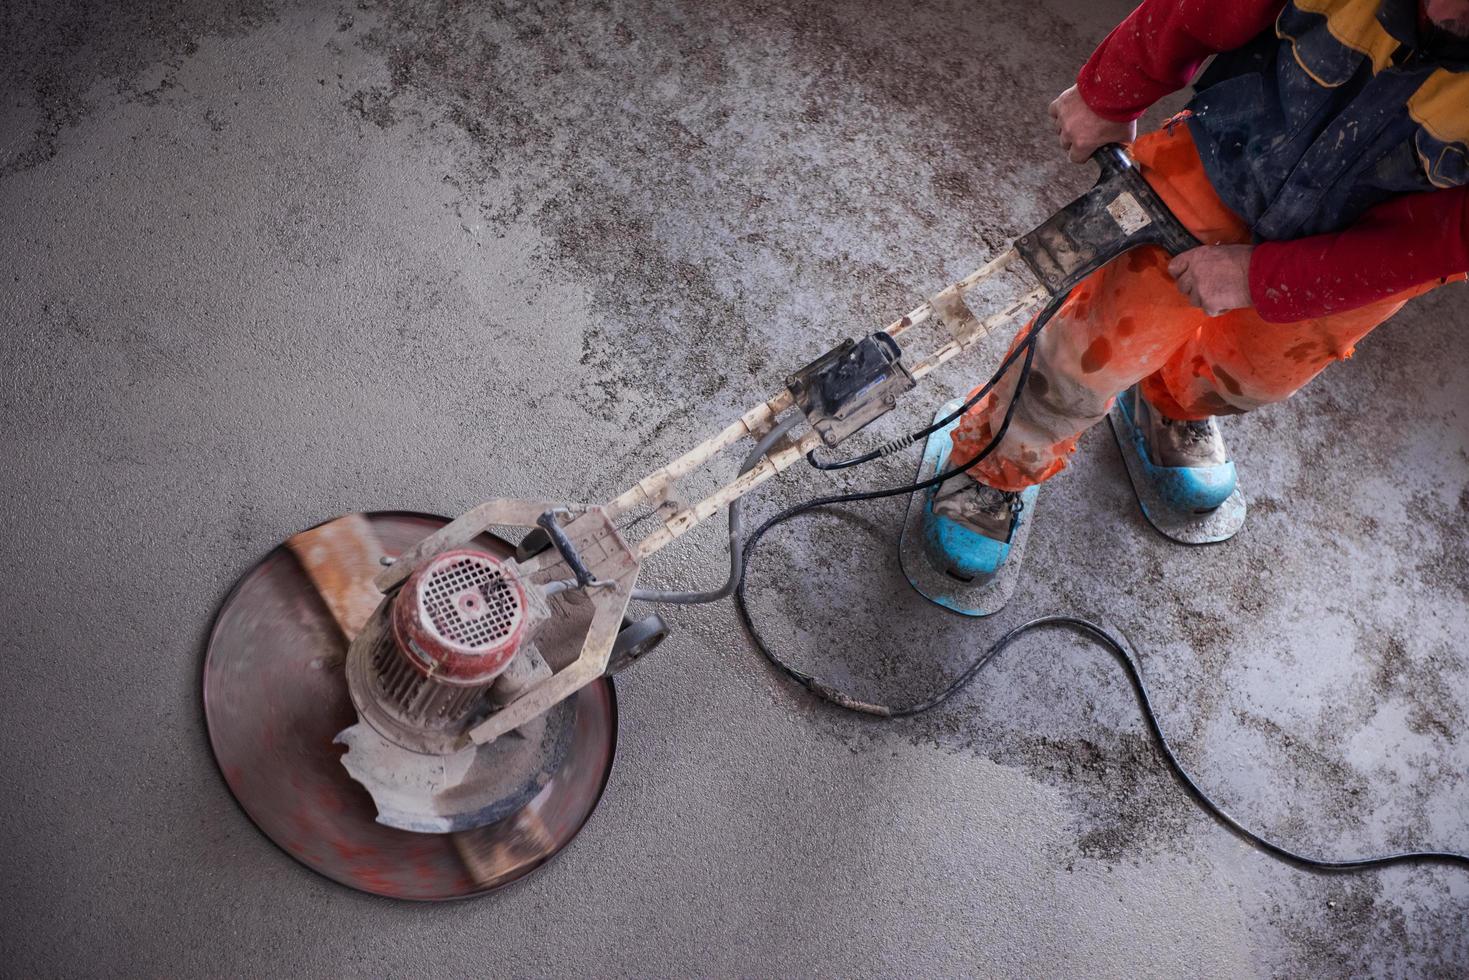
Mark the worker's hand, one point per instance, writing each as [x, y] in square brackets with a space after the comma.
[1083, 132]
[1215, 278]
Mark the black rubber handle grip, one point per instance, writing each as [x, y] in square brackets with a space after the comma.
[547, 521]
[1120, 213]
[1113, 159]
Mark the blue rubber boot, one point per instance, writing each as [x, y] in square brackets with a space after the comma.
[969, 536]
[952, 563]
[1185, 462]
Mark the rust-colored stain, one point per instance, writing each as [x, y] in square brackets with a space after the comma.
[350, 852]
[1212, 403]
[1097, 356]
[1038, 385]
[1227, 379]
[341, 556]
[1301, 352]
[330, 802]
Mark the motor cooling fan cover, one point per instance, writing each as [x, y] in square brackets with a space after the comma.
[275, 696]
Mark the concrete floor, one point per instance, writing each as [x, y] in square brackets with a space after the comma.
[265, 263]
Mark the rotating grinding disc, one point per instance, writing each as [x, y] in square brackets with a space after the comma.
[275, 697]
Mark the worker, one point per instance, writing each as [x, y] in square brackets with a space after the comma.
[1322, 162]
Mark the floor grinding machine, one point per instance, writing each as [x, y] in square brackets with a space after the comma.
[417, 708]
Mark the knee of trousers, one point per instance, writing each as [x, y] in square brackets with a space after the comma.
[1054, 407]
[1229, 397]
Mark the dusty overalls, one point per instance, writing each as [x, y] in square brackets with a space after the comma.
[1128, 324]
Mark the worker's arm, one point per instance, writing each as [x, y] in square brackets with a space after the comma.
[1405, 242]
[1155, 51]
[1158, 49]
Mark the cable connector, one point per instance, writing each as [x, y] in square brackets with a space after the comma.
[896, 445]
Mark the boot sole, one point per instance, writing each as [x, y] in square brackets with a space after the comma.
[980, 596]
[1183, 526]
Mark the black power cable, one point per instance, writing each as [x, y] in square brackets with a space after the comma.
[1026, 349]
[1134, 674]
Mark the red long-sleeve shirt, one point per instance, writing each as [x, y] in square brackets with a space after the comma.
[1397, 245]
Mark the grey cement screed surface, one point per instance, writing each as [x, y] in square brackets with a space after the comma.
[267, 263]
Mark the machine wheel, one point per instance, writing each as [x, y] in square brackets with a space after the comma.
[638, 637]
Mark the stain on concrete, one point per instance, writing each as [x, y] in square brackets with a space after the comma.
[1130, 799]
[551, 244]
[1344, 928]
[640, 105]
[52, 54]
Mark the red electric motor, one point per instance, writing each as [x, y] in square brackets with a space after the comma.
[453, 628]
